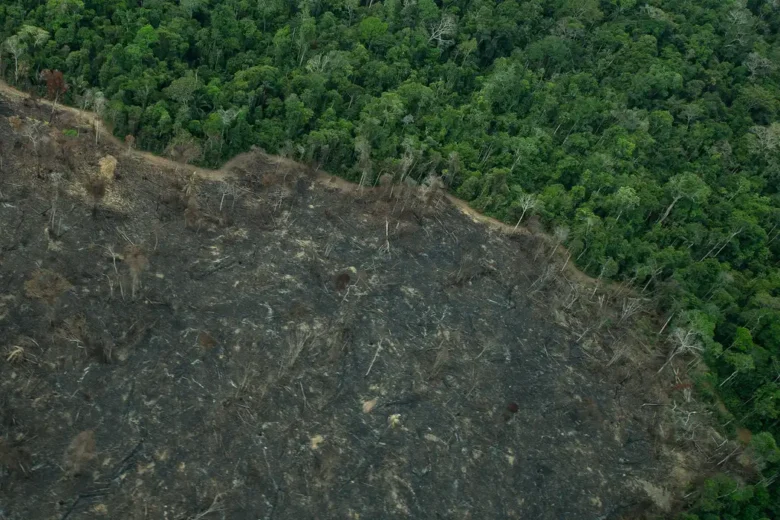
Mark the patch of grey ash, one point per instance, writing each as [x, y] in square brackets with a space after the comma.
[299, 354]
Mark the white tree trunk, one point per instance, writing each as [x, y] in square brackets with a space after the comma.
[669, 209]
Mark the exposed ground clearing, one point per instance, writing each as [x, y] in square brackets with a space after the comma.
[295, 350]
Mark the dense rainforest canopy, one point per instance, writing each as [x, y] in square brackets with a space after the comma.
[645, 133]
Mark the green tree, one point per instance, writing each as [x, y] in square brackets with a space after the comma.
[624, 200]
[182, 90]
[371, 29]
[685, 186]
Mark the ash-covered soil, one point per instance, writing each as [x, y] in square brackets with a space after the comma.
[269, 347]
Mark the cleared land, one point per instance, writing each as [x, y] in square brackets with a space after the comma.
[261, 342]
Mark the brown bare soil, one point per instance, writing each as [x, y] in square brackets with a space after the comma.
[268, 342]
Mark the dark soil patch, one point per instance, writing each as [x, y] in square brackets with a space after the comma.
[287, 351]
[5, 109]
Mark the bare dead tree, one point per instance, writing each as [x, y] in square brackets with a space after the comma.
[528, 202]
[431, 187]
[630, 307]
[232, 190]
[363, 148]
[226, 117]
[453, 168]
[443, 31]
[137, 263]
[740, 25]
[685, 340]
[758, 65]
[767, 139]
[99, 105]
[35, 131]
[561, 234]
[96, 188]
[56, 180]
[407, 159]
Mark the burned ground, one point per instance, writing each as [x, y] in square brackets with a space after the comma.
[268, 346]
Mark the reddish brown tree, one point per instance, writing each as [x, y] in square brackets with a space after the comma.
[55, 86]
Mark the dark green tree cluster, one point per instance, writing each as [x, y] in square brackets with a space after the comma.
[648, 132]
[722, 498]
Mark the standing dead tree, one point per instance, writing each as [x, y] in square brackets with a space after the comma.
[527, 202]
[363, 148]
[97, 184]
[15, 48]
[630, 307]
[432, 188]
[443, 31]
[35, 130]
[96, 188]
[99, 105]
[137, 263]
[32, 129]
[561, 235]
[56, 184]
[16, 124]
[232, 190]
[684, 341]
[226, 117]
